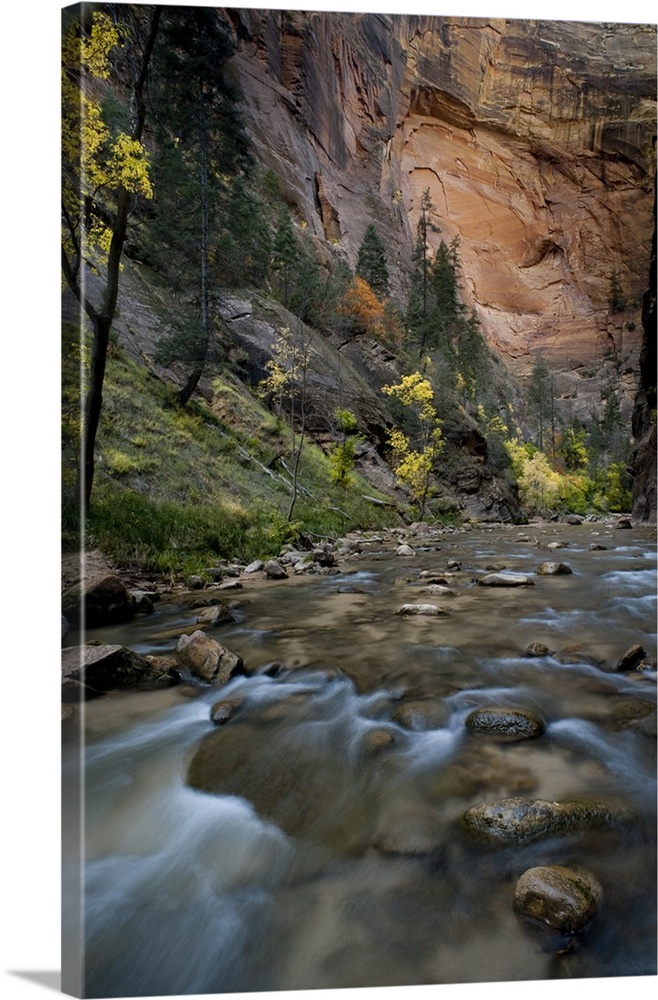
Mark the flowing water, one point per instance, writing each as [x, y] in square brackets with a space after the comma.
[314, 841]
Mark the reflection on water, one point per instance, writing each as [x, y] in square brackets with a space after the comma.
[314, 841]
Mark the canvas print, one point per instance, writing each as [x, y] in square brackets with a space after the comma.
[358, 500]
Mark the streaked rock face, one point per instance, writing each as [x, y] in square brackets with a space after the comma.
[534, 139]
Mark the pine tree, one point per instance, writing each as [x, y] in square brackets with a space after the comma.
[371, 262]
[244, 246]
[418, 306]
[474, 359]
[201, 140]
[285, 254]
[306, 299]
[541, 400]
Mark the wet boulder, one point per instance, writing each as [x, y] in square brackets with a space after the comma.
[553, 569]
[634, 713]
[631, 659]
[564, 898]
[217, 614]
[224, 710]
[437, 590]
[104, 599]
[287, 777]
[509, 723]
[404, 550]
[420, 715]
[377, 739]
[516, 820]
[422, 610]
[143, 601]
[506, 580]
[93, 669]
[207, 659]
[577, 654]
[537, 649]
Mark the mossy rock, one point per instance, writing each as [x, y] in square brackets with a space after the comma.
[561, 897]
[516, 820]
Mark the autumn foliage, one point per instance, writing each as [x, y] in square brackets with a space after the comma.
[369, 315]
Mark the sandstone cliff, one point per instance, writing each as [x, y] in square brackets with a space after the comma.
[537, 143]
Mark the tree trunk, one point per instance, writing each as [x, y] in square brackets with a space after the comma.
[101, 319]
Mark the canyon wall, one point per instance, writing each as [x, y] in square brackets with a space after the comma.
[535, 139]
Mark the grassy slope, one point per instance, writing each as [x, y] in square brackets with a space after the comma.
[178, 490]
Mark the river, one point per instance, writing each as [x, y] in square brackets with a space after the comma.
[314, 841]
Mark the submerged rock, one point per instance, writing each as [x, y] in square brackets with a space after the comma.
[414, 834]
[513, 723]
[217, 614]
[563, 898]
[576, 654]
[537, 649]
[377, 739]
[222, 711]
[515, 820]
[420, 715]
[424, 610]
[437, 590]
[553, 569]
[506, 580]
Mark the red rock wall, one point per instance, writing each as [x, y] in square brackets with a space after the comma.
[535, 139]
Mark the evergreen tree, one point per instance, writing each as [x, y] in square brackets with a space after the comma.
[474, 359]
[285, 254]
[307, 294]
[418, 306]
[541, 400]
[244, 246]
[371, 262]
[201, 140]
[615, 441]
[447, 307]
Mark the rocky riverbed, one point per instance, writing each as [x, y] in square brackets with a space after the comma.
[442, 771]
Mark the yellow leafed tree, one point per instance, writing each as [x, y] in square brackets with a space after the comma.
[414, 460]
[103, 176]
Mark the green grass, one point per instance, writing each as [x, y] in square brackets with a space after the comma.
[177, 490]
